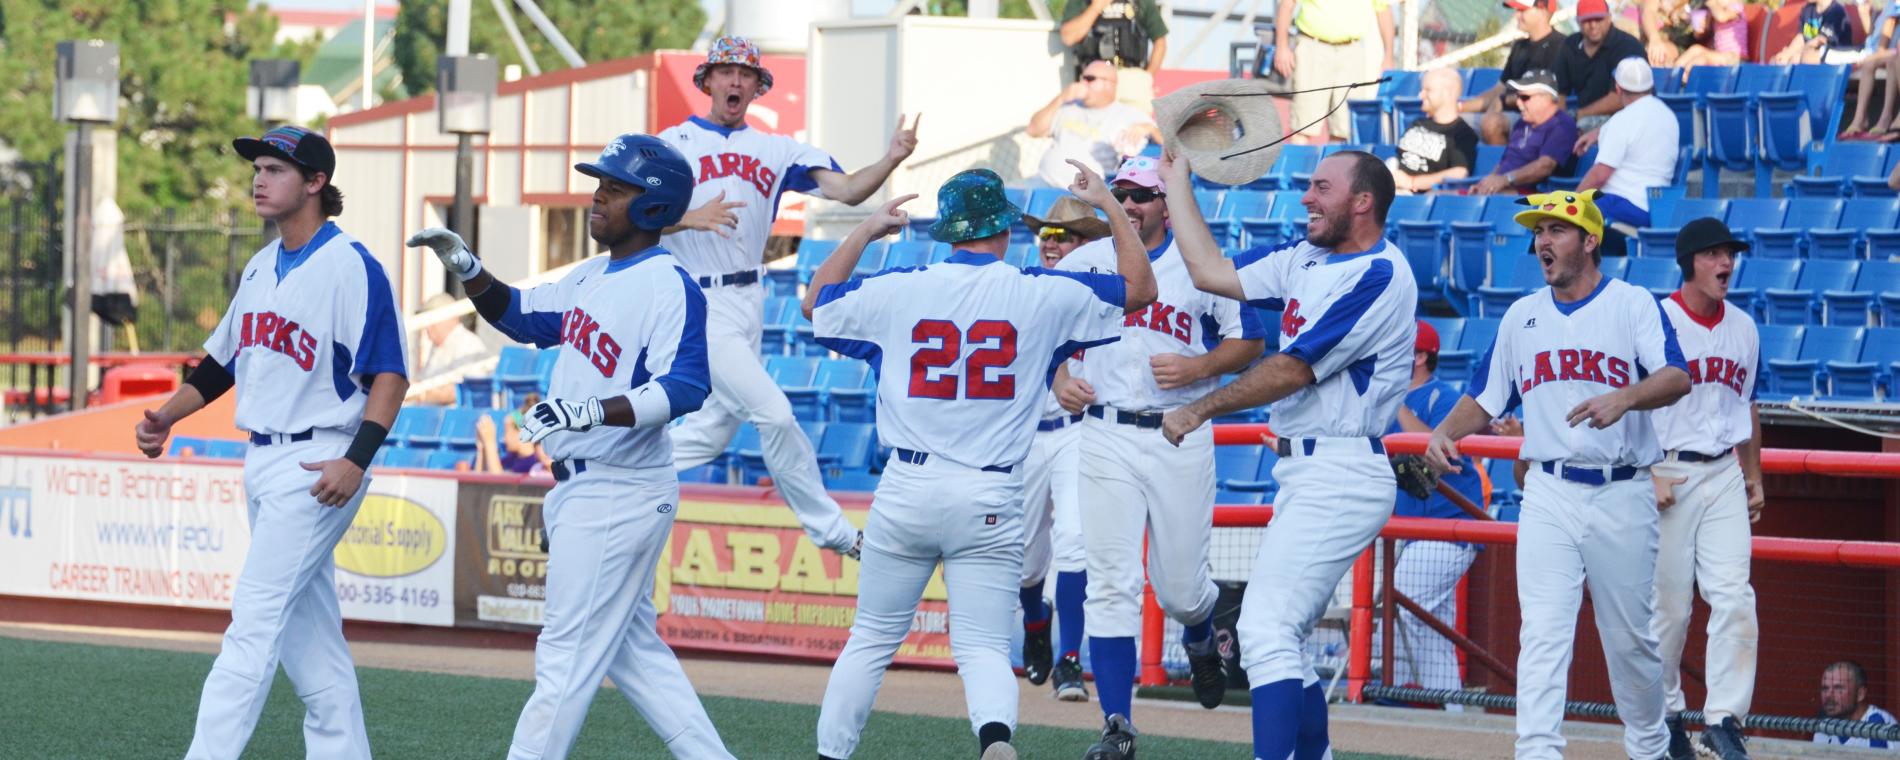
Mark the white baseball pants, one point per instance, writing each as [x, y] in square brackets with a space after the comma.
[1570, 534]
[1330, 506]
[1050, 516]
[743, 392]
[1427, 572]
[968, 519]
[606, 529]
[1705, 541]
[1134, 484]
[284, 609]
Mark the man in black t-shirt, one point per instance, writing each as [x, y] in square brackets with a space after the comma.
[1586, 67]
[1538, 50]
[1439, 145]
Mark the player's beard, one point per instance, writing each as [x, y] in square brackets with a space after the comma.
[1333, 228]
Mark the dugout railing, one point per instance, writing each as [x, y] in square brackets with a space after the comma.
[1859, 574]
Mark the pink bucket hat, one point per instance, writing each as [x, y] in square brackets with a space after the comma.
[736, 50]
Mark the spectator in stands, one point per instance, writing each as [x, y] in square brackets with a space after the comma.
[1827, 36]
[1844, 697]
[1132, 35]
[1636, 150]
[1069, 224]
[445, 357]
[1541, 141]
[1881, 54]
[506, 452]
[1585, 66]
[1721, 36]
[1330, 51]
[1661, 25]
[1089, 126]
[1438, 145]
[1538, 49]
[1428, 571]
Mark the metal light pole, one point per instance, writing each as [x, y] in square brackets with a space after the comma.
[86, 92]
[465, 95]
[271, 98]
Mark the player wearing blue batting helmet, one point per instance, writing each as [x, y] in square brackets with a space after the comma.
[656, 169]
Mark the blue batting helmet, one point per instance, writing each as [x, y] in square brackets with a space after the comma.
[648, 163]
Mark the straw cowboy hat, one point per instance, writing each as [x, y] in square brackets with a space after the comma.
[1227, 129]
[1073, 215]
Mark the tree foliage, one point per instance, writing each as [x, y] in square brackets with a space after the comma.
[183, 67]
[599, 31]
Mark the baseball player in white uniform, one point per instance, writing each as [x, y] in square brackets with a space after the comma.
[314, 348]
[964, 351]
[1588, 356]
[1844, 697]
[1133, 485]
[1708, 488]
[1346, 334]
[1051, 517]
[630, 329]
[740, 173]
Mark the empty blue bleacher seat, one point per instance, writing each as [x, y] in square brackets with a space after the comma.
[447, 459]
[1733, 121]
[1455, 364]
[846, 456]
[1788, 240]
[1854, 306]
[1873, 375]
[405, 457]
[1838, 162]
[458, 427]
[418, 427]
[1802, 376]
[1797, 122]
[1659, 276]
[1659, 239]
[1753, 275]
[1801, 304]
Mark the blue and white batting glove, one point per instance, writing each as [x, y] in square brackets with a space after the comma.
[554, 415]
[449, 248]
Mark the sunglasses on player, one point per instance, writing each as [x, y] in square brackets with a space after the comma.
[1138, 195]
[1056, 234]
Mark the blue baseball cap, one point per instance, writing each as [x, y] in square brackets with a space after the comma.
[291, 143]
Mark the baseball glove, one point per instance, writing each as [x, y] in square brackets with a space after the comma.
[1415, 477]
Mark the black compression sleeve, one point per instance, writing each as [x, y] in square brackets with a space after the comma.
[210, 378]
[369, 438]
[492, 304]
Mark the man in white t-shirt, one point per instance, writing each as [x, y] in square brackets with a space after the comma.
[1090, 126]
[451, 348]
[1636, 149]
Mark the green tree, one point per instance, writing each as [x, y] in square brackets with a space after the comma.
[1005, 9]
[183, 66]
[599, 31]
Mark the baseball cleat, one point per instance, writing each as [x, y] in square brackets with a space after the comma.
[857, 547]
[1679, 746]
[1068, 680]
[1000, 751]
[1037, 653]
[1209, 673]
[1118, 741]
[1724, 740]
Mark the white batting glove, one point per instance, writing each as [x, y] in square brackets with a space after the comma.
[554, 415]
[449, 248]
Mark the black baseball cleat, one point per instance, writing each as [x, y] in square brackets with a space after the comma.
[1724, 740]
[1037, 653]
[1209, 673]
[1679, 746]
[1118, 741]
[1068, 680]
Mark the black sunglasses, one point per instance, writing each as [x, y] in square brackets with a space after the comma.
[1089, 77]
[1138, 195]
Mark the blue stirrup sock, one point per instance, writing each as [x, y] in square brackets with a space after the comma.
[1199, 632]
[1114, 663]
[1276, 719]
[1035, 610]
[1072, 589]
[1312, 742]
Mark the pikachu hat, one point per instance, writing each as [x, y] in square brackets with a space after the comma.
[1578, 208]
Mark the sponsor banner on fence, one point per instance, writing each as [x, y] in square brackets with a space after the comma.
[169, 532]
[737, 575]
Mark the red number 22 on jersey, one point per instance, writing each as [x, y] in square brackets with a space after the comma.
[942, 345]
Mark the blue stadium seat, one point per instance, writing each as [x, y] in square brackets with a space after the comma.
[1756, 275]
[1480, 80]
[1798, 122]
[475, 391]
[1367, 121]
[1294, 159]
[1613, 267]
[1042, 199]
[846, 456]
[1873, 184]
[854, 404]
[1659, 276]
[809, 401]
[792, 371]
[458, 427]
[1659, 239]
[405, 457]
[1688, 100]
[514, 368]
[1455, 363]
[1746, 214]
[1404, 112]
[709, 473]
[1406, 207]
[1838, 162]
[1858, 215]
[1287, 221]
[872, 260]
[1801, 376]
[1789, 239]
[1877, 368]
[1237, 468]
[812, 253]
[1779, 341]
[1239, 498]
[1427, 242]
[1733, 120]
[1853, 307]
[1237, 205]
[778, 322]
[418, 427]
[447, 459]
[1801, 304]
[1449, 330]
[908, 253]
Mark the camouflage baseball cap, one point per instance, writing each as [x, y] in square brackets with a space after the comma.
[971, 206]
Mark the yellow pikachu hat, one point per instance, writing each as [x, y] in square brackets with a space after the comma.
[1578, 208]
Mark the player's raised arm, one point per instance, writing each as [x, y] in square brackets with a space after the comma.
[496, 301]
[844, 259]
[857, 186]
[1131, 257]
[1212, 272]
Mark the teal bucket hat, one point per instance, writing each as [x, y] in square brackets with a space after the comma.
[971, 206]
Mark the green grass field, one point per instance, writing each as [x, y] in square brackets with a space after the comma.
[80, 701]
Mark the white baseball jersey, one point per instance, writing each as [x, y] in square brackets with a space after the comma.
[1182, 320]
[971, 329]
[1874, 715]
[1350, 318]
[747, 165]
[1555, 356]
[1722, 354]
[619, 324]
[304, 331]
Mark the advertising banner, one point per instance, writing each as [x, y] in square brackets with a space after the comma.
[176, 533]
[737, 575]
